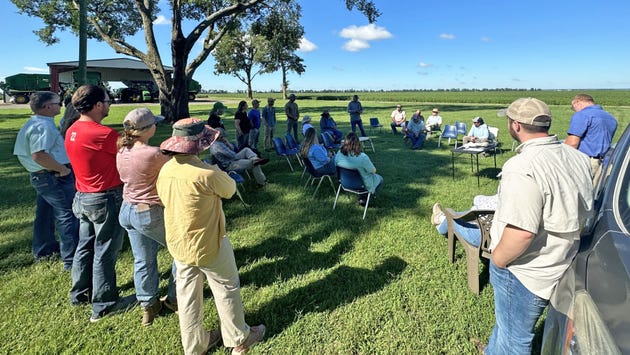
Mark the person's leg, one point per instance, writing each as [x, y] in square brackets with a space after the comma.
[393, 126]
[267, 138]
[194, 336]
[516, 312]
[295, 132]
[108, 241]
[82, 264]
[44, 243]
[222, 276]
[466, 139]
[360, 123]
[353, 126]
[144, 249]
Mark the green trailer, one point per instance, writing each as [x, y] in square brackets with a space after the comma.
[21, 86]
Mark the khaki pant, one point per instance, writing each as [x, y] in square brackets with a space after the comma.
[596, 170]
[222, 276]
[246, 162]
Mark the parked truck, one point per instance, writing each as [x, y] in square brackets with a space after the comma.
[147, 91]
[20, 86]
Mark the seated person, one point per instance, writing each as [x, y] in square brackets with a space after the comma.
[415, 130]
[327, 124]
[433, 122]
[306, 124]
[399, 118]
[468, 230]
[319, 156]
[228, 159]
[214, 119]
[478, 132]
[350, 156]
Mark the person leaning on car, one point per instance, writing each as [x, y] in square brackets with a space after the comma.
[591, 131]
[536, 227]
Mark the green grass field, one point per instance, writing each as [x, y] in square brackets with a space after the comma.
[323, 281]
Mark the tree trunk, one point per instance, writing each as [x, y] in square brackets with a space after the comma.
[179, 91]
[285, 85]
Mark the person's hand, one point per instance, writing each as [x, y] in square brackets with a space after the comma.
[66, 172]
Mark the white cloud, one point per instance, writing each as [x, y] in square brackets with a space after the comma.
[34, 69]
[423, 65]
[485, 39]
[447, 36]
[161, 20]
[355, 45]
[361, 35]
[306, 45]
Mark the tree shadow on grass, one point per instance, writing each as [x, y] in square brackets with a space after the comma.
[340, 287]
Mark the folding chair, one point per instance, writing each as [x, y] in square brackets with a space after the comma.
[293, 145]
[329, 143]
[282, 151]
[350, 181]
[448, 132]
[374, 123]
[315, 175]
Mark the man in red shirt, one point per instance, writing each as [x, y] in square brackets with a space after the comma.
[91, 148]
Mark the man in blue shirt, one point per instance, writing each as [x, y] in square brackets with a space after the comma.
[591, 131]
[40, 149]
[254, 117]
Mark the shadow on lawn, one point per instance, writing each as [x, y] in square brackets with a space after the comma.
[340, 287]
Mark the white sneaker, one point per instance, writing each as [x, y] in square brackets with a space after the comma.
[437, 216]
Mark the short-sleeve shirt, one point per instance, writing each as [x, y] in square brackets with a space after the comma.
[254, 118]
[269, 116]
[38, 134]
[244, 123]
[291, 108]
[399, 116]
[91, 148]
[596, 129]
[547, 190]
[139, 168]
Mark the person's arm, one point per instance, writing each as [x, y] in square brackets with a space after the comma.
[49, 163]
[394, 116]
[573, 141]
[237, 124]
[514, 242]
[350, 110]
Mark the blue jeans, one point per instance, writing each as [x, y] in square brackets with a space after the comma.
[469, 231]
[145, 229]
[416, 142]
[54, 206]
[359, 123]
[100, 240]
[516, 310]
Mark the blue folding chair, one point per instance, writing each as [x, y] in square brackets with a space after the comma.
[350, 181]
[315, 175]
[461, 128]
[293, 145]
[282, 151]
[374, 123]
[448, 132]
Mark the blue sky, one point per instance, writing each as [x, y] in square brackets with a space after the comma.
[415, 44]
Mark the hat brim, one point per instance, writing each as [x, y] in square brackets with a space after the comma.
[191, 144]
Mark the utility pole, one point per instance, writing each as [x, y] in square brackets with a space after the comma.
[82, 74]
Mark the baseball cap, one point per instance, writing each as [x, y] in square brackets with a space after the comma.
[529, 111]
[140, 118]
[219, 106]
[477, 119]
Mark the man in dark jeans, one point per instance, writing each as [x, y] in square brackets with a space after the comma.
[91, 147]
[39, 148]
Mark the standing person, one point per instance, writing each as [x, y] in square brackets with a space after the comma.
[321, 159]
[399, 118]
[269, 120]
[415, 130]
[254, 118]
[142, 212]
[214, 119]
[328, 124]
[91, 147]
[434, 122]
[39, 148]
[591, 131]
[478, 133]
[351, 156]
[355, 110]
[293, 114]
[242, 124]
[536, 226]
[196, 236]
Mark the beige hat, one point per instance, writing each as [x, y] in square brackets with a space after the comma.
[530, 111]
[435, 110]
[140, 118]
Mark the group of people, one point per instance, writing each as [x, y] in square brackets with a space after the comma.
[96, 184]
[545, 196]
[417, 129]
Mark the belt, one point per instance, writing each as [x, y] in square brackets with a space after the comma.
[597, 157]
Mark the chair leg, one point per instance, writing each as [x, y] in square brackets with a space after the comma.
[367, 202]
[331, 182]
[303, 172]
[337, 196]
[472, 270]
[308, 180]
[289, 161]
[317, 188]
[439, 140]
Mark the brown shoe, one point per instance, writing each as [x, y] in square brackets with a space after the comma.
[149, 313]
[215, 337]
[256, 334]
[172, 305]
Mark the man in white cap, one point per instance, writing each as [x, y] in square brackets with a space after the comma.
[545, 195]
[434, 122]
[196, 237]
